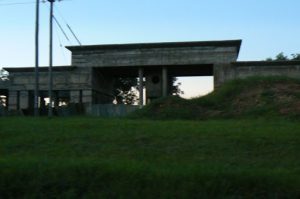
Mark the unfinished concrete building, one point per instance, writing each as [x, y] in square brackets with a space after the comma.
[89, 79]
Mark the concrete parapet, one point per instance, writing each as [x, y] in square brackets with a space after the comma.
[266, 68]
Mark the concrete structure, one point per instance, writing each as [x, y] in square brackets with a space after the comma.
[89, 80]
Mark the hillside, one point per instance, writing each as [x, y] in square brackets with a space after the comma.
[243, 98]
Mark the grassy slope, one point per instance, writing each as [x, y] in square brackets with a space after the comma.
[248, 98]
[92, 158]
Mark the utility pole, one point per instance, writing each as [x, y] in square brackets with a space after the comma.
[36, 90]
[50, 109]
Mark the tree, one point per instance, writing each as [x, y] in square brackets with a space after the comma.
[175, 90]
[296, 57]
[125, 90]
[2, 101]
[282, 57]
[3, 75]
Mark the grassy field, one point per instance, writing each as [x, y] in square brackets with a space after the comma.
[120, 158]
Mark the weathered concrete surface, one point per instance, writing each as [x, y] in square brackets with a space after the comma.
[91, 77]
[264, 68]
[185, 56]
[112, 110]
[159, 54]
[70, 78]
[21, 85]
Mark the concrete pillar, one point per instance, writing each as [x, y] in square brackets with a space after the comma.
[218, 75]
[87, 100]
[222, 73]
[24, 100]
[164, 81]
[75, 97]
[141, 87]
[12, 100]
[87, 96]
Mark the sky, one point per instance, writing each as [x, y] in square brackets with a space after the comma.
[266, 27]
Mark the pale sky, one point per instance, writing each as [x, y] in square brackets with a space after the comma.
[267, 27]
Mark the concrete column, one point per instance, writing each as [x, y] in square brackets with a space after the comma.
[218, 75]
[12, 100]
[164, 81]
[222, 73]
[24, 97]
[87, 96]
[74, 97]
[141, 87]
[87, 100]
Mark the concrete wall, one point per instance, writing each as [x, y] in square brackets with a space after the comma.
[22, 82]
[265, 68]
[75, 79]
[112, 110]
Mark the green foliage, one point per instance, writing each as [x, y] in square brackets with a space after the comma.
[282, 57]
[102, 158]
[3, 75]
[175, 89]
[124, 90]
[296, 57]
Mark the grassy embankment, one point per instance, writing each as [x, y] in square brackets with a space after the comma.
[266, 97]
[111, 158]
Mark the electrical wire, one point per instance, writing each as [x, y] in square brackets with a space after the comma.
[62, 30]
[9, 3]
[68, 26]
[16, 3]
[61, 46]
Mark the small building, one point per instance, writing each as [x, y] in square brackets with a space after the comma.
[89, 80]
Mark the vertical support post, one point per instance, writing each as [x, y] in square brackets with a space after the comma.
[36, 89]
[164, 81]
[141, 87]
[13, 100]
[24, 102]
[50, 110]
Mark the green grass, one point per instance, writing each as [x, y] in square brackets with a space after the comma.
[265, 97]
[114, 158]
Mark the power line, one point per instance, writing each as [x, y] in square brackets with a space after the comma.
[74, 34]
[17, 3]
[7, 3]
[68, 26]
[62, 30]
[61, 45]
[12, 0]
